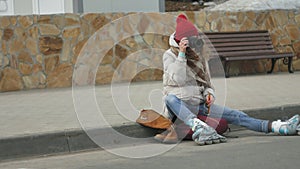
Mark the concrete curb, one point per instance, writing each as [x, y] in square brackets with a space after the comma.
[68, 141]
[75, 140]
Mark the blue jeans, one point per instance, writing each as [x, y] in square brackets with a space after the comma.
[185, 111]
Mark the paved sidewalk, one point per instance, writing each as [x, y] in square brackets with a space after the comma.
[37, 114]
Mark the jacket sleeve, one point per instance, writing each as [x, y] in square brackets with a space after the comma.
[209, 91]
[175, 69]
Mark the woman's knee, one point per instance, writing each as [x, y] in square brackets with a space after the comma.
[171, 100]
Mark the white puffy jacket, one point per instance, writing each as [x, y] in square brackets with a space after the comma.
[179, 79]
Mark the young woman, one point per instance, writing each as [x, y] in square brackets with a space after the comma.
[188, 90]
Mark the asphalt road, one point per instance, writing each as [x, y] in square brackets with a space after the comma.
[250, 151]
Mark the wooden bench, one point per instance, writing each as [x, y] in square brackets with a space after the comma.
[251, 45]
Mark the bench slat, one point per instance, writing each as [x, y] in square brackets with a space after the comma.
[241, 44]
[230, 40]
[245, 53]
[243, 48]
[237, 32]
[256, 57]
[217, 36]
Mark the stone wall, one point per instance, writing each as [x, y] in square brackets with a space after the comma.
[41, 51]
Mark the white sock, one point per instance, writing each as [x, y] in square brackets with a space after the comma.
[278, 127]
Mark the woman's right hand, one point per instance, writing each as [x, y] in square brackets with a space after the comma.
[183, 44]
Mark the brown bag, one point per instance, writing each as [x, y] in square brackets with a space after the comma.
[152, 119]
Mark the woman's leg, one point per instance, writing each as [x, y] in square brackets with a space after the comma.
[178, 108]
[239, 118]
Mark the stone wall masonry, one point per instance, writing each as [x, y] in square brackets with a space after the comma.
[41, 51]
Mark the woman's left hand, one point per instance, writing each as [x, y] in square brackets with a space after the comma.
[210, 100]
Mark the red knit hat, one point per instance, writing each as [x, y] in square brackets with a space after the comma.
[184, 28]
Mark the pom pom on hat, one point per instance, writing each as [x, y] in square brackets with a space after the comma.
[181, 16]
[184, 28]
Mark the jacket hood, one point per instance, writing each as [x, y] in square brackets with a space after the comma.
[172, 41]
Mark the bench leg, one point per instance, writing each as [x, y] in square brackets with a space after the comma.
[273, 64]
[290, 65]
[226, 69]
